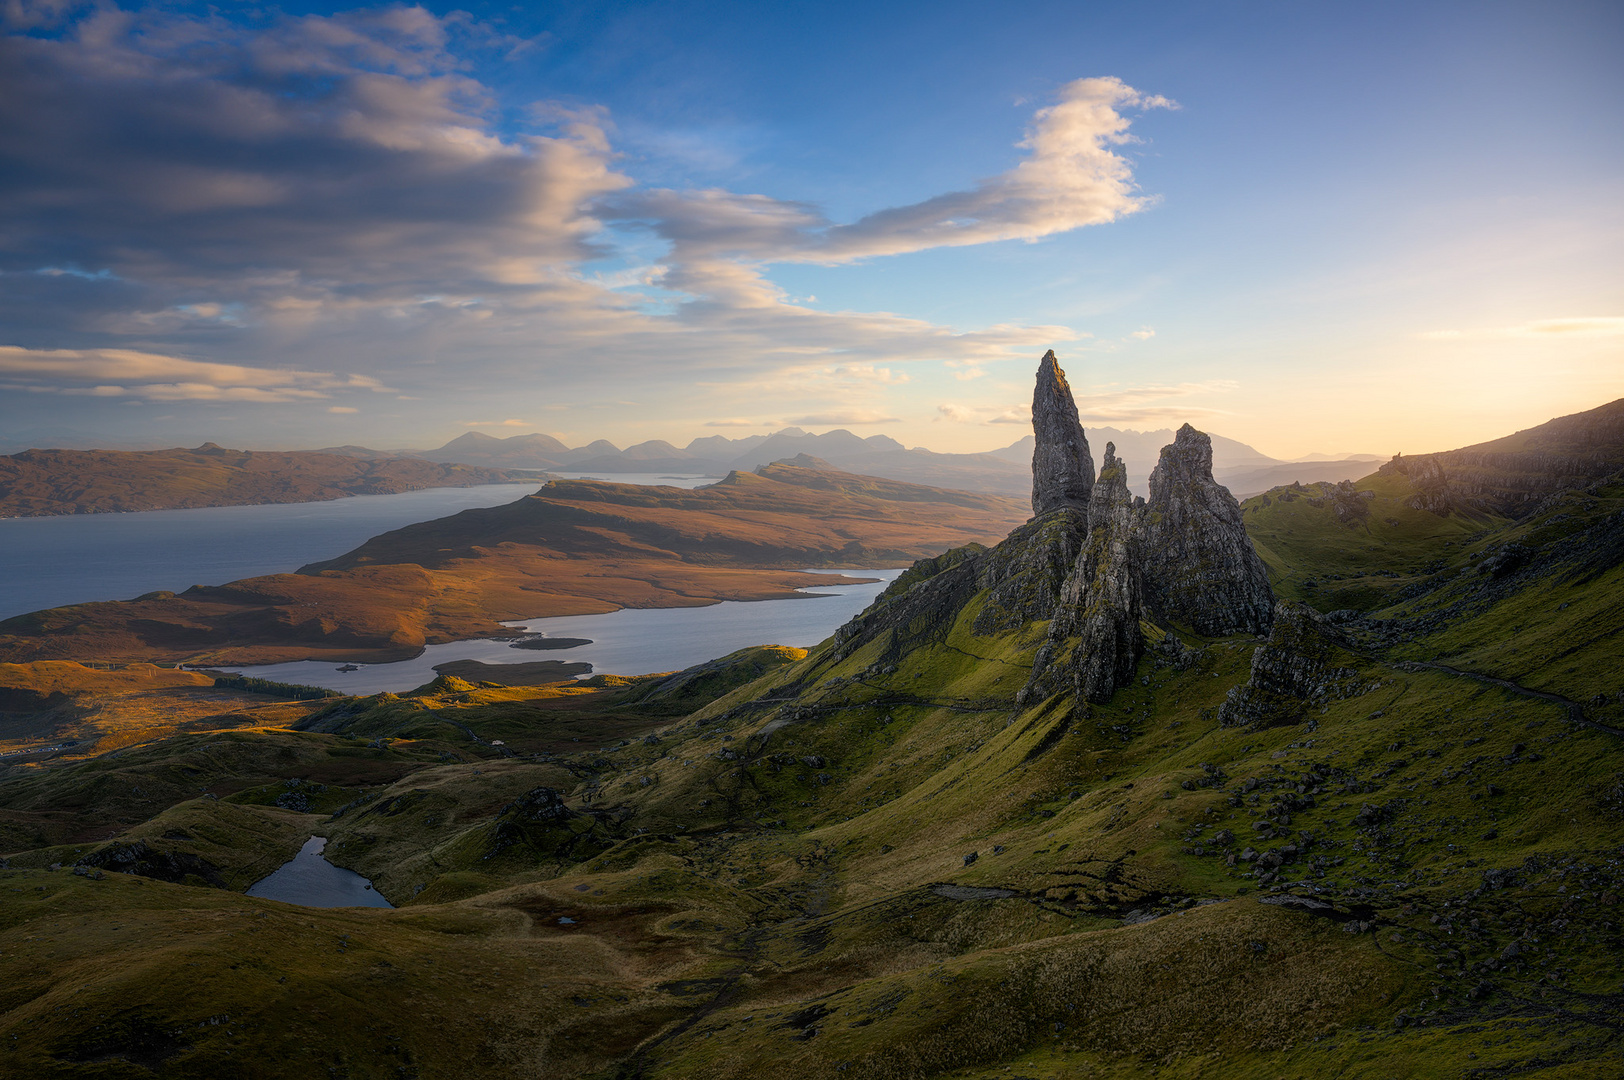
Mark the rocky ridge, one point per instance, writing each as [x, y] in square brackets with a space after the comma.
[1513, 475]
[1092, 563]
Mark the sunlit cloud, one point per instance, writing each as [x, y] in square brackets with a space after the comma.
[343, 410]
[391, 213]
[856, 416]
[1602, 326]
[113, 372]
[735, 422]
[1155, 405]
[1143, 334]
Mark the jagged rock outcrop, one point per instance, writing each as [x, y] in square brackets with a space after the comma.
[1027, 571]
[1109, 639]
[1199, 565]
[1296, 669]
[1062, 467]
[143, 859]
[1094, 637]
[1091, 563]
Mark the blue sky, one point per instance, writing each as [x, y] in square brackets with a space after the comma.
[1371, 227]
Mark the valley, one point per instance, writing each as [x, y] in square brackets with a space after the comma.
[1184, 788]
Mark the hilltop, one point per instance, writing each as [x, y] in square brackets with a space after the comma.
[1326, 783]
[43, 483]
[574, 547]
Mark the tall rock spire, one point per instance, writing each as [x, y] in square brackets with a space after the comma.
[1094, 635]
[1200, 566]
[1062, 467]
[1110, 642]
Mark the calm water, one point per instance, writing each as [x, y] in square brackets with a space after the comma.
[309, 880]
[626, 642]
[53, 561]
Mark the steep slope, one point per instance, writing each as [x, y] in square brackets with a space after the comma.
[1512, 475]
[42, 483]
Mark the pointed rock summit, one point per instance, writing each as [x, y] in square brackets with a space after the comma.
[1062, 467]
[1109, 642]
[1200, 567]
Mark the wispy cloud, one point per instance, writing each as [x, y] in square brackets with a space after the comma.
[858, 416]
[1578, 328]
[1142, 405]
[117, 372]
[497, 423]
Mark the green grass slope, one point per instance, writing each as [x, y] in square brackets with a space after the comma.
[868, 861]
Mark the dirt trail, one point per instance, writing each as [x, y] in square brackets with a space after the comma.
[1576, 711]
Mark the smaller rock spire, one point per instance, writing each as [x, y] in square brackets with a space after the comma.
[1110, 642]
[1062, 467]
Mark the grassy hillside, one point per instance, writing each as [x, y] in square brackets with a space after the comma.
[866, 860]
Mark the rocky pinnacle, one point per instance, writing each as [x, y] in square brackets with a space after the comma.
[1109, 642]
[1200, 567]
[1062, 467]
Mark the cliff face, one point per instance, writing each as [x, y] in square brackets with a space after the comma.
[1199, 565]
[1062, 467]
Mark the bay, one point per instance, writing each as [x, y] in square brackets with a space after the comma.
[77, 558]
[632, 641]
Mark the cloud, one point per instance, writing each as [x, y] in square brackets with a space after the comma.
[310, 187]
[735, 422]
[1071, 177]
[497, 423]
[347, 147]
[1145, 405]
[1600, 326]
[1143, 334]
[113, 372]
[342, 409]
[858, 416]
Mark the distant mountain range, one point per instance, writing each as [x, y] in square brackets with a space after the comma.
[1006, 471]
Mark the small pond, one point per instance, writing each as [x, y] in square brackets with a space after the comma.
[309, 880]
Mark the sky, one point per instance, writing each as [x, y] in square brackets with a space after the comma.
[1317, 228]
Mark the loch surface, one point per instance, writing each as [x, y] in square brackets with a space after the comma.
[309, 880]
[627, 642]
[52, 561]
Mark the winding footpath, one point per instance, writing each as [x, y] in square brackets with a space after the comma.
[1576, 711]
